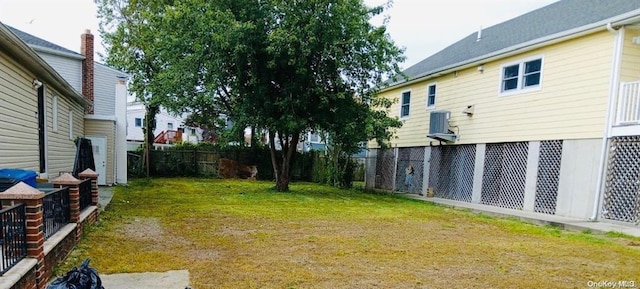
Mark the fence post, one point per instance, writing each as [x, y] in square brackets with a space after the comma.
[90, 174]
[395, 169]
[32, 199]
[195, 161]
[68, 180]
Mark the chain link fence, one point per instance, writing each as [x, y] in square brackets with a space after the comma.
[505, 168]
[622, 187]
[548, 176]
[410, 170]
[370, 168]
[451, 171]
[385, 168]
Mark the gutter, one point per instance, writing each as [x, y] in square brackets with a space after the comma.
[613, 95]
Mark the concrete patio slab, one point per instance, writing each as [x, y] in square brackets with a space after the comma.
[150, 280]
[573, 224]
[104, 196]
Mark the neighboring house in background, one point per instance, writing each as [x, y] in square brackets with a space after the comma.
[311, 141]
[540, 113]
[41, 112]
[164, 122]
[105, 88]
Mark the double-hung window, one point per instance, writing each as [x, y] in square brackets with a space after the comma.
[431, 96]
[405, 104]
[521, 76]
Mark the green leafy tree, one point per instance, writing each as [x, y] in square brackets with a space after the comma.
[129, 46]
[355, 123]
[287, 66]
[316, 64]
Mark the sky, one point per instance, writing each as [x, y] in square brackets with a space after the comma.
[422, 27]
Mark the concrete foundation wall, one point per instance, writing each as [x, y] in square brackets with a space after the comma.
[578, 177]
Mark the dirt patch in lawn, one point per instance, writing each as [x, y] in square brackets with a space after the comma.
[149, 231]
[144, 229]
[321, 237]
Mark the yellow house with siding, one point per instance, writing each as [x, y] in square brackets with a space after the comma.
[540, 113]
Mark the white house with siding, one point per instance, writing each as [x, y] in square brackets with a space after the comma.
[105, 88]
[41, 112]
[164, 122]
[540, 113]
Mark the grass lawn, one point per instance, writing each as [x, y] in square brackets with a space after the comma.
[241, 234]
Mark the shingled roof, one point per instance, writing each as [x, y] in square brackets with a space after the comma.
[554, 19]
[36, 41]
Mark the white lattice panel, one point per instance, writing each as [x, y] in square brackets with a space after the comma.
[548, 176]
[505, 169]
[622, 187]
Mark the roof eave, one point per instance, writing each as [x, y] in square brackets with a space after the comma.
[620, 20]
[122, 73]
[29, 58]
[57, 52]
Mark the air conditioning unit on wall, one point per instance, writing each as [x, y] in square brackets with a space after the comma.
[439, 126]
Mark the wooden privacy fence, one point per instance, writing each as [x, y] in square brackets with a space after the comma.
[204, 163]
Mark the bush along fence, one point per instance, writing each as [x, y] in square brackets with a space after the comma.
[309, 166]
[40, 227]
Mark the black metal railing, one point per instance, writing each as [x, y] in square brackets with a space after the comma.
[85, 194]
[13, 236]
[55, 207]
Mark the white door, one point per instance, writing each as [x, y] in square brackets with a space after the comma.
[99, 146]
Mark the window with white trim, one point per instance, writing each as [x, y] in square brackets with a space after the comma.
[170, 126]
[405, 104]
[314, 137]
[54, 113]
[521, 76]
[138, 122]
[431, 96]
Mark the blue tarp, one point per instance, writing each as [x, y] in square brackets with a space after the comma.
[10, 177]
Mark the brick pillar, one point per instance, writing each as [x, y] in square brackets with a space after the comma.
[90, 174]
[67, 180]
[32, 199]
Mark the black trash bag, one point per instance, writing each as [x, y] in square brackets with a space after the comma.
[84, 277]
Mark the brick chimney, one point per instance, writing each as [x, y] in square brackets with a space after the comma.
[86, 48]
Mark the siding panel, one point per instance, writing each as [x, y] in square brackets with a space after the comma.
[19, 132]
[61, 148]
[105, 90]
[571, 103]
[104, 128]
[70, 69]
[630, 66]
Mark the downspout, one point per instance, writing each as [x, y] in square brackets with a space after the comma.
[395, 168]
[613, 95]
